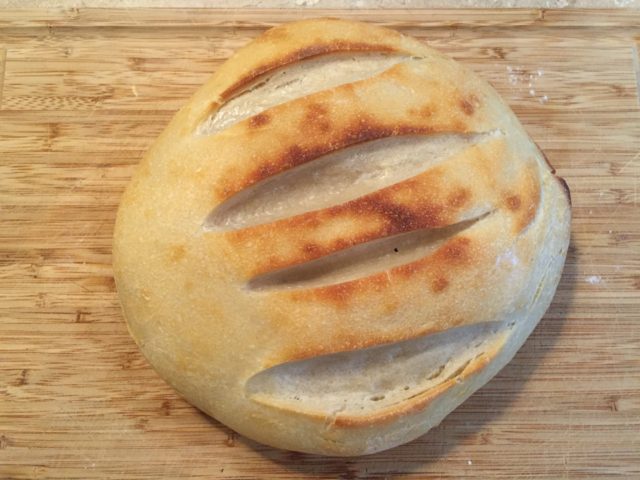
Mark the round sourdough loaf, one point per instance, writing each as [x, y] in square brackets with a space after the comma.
[339, 238]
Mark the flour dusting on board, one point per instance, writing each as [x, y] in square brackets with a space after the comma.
[526, 80]
[594, 279]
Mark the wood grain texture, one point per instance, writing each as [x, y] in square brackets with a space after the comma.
[3, 57]
[85, 93]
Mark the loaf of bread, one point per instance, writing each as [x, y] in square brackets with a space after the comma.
[339, 238]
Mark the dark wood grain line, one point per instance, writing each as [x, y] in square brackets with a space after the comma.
[3, 61]
[225, 18]
[636, 66]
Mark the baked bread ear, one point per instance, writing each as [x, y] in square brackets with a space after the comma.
[339, 238]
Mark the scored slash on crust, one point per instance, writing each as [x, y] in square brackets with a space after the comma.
[403, 376]
[364, 259]
[339, 177]
[297, 80]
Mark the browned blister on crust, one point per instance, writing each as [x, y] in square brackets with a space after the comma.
[282, 274]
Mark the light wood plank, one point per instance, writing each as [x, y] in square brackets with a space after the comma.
[264, 18]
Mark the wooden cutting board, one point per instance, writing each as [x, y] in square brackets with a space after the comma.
[84, 92]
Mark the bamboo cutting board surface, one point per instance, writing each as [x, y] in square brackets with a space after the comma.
[84, 92]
